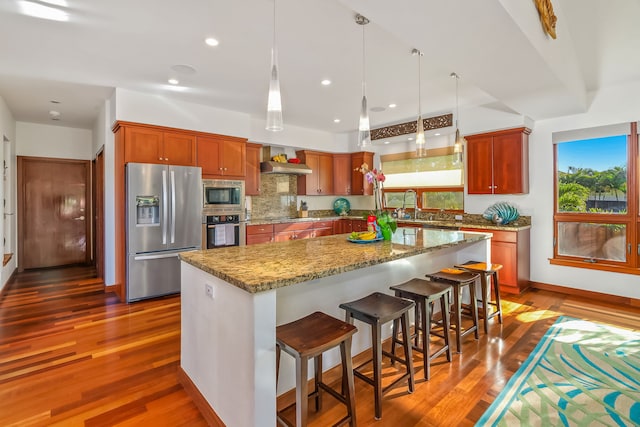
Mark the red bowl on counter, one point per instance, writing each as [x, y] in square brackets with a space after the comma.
[294, 160]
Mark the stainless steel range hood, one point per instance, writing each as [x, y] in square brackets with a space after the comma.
[289, 168]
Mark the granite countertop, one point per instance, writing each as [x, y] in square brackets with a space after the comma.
[262, 267]
[473, 222]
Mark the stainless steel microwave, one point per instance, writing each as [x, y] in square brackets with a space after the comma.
[224, 196]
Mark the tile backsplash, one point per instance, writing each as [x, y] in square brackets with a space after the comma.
[278, 197]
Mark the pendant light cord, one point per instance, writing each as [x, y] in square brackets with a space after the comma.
[274, 24]
[419, 87]
[364, 76]
[457, 113]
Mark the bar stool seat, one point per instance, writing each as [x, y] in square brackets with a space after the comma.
[488, 279]
[425, 293]
[377, 309]
[309, 337]
[459, 279]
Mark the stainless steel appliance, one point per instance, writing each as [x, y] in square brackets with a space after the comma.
[219, 231]
[164, 207]
[222, 196]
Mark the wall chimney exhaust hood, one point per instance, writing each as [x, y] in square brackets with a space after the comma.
[289, 168]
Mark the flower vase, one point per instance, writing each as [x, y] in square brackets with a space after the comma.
[386, 232]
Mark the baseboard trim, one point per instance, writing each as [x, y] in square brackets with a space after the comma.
[599, 296]
[198, 399]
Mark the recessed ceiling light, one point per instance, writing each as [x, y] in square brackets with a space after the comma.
[336, 120]
[392, 105]
[387, 142]
[183, 69]
[173, 81]
[325, 82]
[410, 138]
[210, 41]
[436, 134]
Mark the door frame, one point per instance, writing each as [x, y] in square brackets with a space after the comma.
[21, 211]
[98, 212]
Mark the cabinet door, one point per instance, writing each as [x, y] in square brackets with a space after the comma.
[179, 149]
[252, 180]
[308, 184]
[510, 174]
[325, 177]
[479, 169]
[506, 253]
[142, 145]
[233, 156]
[208, 155]
[359, 225]
[359, 185]
[342, 174]
[254, 239]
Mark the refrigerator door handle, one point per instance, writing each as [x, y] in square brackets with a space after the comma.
[173, 207]
[165, 207]
[161, 256]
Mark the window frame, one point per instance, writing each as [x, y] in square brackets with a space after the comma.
[442, 151]
[631, 219]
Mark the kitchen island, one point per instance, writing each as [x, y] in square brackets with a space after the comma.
[233, 299]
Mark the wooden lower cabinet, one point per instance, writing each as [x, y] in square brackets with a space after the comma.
[259, 234]
[288, 231]
[511, 249]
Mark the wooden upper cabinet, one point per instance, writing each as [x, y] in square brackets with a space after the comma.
[359, 185]
[342, 174]
[179, 149]
[150, 145]
[220, 156]
[252, 180]
[320, 181]
[498, 162]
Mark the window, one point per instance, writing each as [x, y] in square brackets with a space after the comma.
[435, 182]
[596, 213]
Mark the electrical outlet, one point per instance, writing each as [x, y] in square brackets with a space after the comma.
[209, 290]
[458, 217]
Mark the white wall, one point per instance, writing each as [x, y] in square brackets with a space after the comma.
[60, 142]
[8, 223]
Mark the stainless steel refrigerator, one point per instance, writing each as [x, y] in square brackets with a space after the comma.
[164, 215]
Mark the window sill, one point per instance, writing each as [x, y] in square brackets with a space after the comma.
[595, 266]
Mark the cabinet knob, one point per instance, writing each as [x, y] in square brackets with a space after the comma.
[225, 168]
[160, 158]
[166, 158]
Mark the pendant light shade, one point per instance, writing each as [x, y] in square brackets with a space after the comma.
[421, 145]
[364, 129]
[459, 142]
[274, 102]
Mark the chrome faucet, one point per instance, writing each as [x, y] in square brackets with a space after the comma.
[415, 204]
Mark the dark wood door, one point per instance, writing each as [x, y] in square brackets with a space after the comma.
[52, 212]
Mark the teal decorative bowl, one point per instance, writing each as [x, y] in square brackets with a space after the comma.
[501, 213]
[341, 206]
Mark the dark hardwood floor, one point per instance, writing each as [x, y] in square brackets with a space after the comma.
[72, 355]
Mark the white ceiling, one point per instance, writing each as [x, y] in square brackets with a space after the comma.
[497, 47]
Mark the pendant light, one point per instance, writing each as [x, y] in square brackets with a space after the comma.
[421, 149]
[274, 102]
[459, 141]
[364, 130]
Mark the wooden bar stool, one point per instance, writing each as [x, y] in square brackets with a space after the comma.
[376, 310]
[310, 337]
[488, 277]
[459, 279]
[425, 293]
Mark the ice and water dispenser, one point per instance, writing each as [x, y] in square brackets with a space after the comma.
[147, 210]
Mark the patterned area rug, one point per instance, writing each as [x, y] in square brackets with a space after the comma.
[580, 374]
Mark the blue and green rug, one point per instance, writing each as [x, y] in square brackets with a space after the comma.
[580, 374]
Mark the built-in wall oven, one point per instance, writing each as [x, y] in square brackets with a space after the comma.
[219, 231]
[223, 213]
